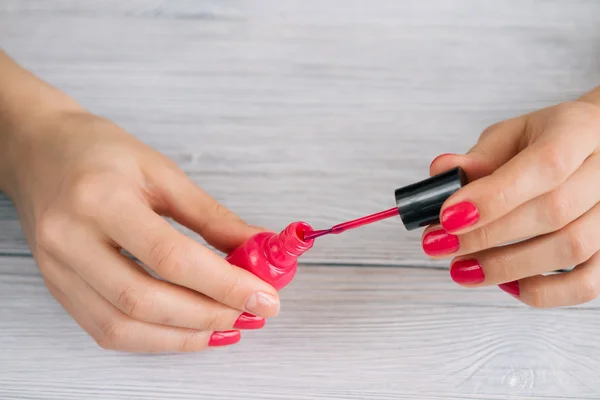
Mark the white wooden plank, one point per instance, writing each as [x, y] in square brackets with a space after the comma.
[344, 333]
[312, 110]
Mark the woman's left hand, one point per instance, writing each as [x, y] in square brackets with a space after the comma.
[532, 207]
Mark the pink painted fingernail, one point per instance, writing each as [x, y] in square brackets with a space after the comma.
[467, 272]
[249, 321]
[224, 338]
[511, 288]
[439, 242]
[459, 216]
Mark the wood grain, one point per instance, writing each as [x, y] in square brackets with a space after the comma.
[344, 333]
[312, 110]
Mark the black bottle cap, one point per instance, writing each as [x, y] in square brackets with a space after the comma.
[419, 204]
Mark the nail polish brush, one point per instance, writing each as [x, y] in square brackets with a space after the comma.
[273, 257]
[418, 204]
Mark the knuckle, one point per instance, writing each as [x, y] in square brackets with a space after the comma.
[558, 209]
[504, 270]
[537, 297]
[501, 197]
[140, 305]
[50, 229]
[499, 265]
[113, 333]
[580, 247]
[556, 163]
[166, 259]
[192, 340]
[232, 290]
[482, 236]
[128, 301]
[215, 321]
[92, 194]
[220, 211]
[87, 194]
[144, 304]
[588, 288]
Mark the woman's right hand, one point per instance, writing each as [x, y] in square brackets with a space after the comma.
[85, 190]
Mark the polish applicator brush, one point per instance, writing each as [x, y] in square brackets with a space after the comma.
[418, 204]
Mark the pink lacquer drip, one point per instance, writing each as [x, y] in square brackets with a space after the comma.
[355, 223]
[273, 257]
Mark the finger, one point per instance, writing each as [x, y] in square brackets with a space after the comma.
[572, 245]
[581, 285]
[497, 144]
[181, 260]
[132, 290]
[113, 330]
[194, 208]
[536, 170]
[82, 318]
[544, 214]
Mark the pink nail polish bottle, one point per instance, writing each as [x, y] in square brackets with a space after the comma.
[273, 257]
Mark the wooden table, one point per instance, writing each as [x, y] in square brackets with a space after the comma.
[312, 110]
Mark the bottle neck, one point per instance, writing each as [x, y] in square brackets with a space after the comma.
[284, 248]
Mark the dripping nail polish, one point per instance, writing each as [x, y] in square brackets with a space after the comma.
[273, 257]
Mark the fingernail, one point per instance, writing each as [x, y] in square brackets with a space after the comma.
[459, 216]
[224, 338]
[440, 156]
[439, 242]
[249, 321]
[511, 288]
[467, 272]
[262, 304]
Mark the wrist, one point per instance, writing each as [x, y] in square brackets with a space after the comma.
[26, 105]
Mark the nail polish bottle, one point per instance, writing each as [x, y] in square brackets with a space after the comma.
[273, 257]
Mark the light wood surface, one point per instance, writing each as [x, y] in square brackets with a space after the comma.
[344, 333]
[314, 110]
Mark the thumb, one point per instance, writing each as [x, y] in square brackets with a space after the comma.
[195, 209]
[496, 146]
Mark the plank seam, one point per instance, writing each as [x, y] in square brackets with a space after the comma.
[8, 254]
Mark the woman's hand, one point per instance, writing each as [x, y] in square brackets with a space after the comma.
[85, 190]
[535, 188]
